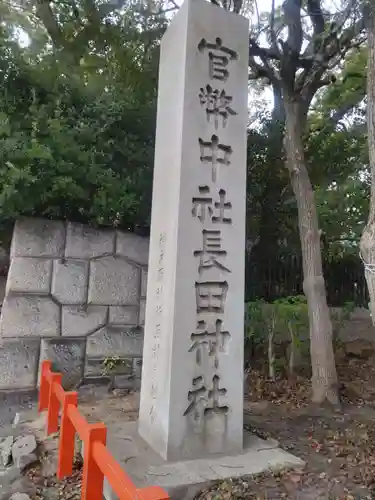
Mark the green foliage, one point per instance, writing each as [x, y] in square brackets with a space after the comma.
[77, 128]
[77, 125]
[68, 160]
[279, 317]
[283, 314]
[286, 321]
[255, 322]
[111, 364]
[348, 90]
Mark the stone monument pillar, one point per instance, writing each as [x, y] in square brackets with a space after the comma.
[192, 379]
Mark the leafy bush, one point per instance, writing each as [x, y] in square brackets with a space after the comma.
[281, 329]
[280, 316]
[77, 142]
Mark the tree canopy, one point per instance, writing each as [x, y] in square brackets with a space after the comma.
[77, 124]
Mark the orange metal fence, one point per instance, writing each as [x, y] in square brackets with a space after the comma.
[98, 463]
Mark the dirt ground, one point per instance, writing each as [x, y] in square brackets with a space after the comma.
[338, 446]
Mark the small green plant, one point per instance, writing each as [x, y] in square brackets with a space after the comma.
[268, 324]
[255, 331]
[293, 321]
[285, 321]
[111, 363]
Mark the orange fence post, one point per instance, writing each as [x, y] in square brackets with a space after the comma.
[92, 476]
[44, 386]
[67, 437]
[119, 481]
[98, 463]
[152, 493]
[53, 404]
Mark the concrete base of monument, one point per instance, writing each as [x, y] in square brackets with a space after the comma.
[184, 479]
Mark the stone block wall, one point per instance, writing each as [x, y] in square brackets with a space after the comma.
[74, 295]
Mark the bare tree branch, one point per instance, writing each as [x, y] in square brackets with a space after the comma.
[293, 44]
[257, 11]
[258, 70]
[272, 30]
[348, 38]
[346, 108]
[45, 14]
[107, 8]
[292, 14]
[342, 17]
[264, 70]
[316, 16]
[263, 52]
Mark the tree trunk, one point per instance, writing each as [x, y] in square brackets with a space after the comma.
[324, 376]
[367, 244]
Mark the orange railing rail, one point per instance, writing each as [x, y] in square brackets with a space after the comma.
[98, 463]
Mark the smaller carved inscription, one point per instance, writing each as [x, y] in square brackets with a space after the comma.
[211, 251]
[203, 401]
[211, 296]
[214, 341]
[217, 154]
[152, 414]
[154, 389]
[158, 327]
[155, 347]
[218, 57]
[205, 208]
[217, 105]
[160, 274]
[161, 239]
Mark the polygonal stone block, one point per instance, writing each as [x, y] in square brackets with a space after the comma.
[19, 363]
[128, 382]
[69, 282]
[24, 316]
[115, 342]
[38, 238]
[123, 315]
[133, 247]
[144, 283]
[84, 242]
[113, 281]
[29, 275]
[82, 321]
[67, 356]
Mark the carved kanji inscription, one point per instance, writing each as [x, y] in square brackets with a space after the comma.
[217, 105]
[204, 400]
[211, 296]
[214, 153]
[206, 209]
[210, 340]
[211, 251]
[218, 58]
